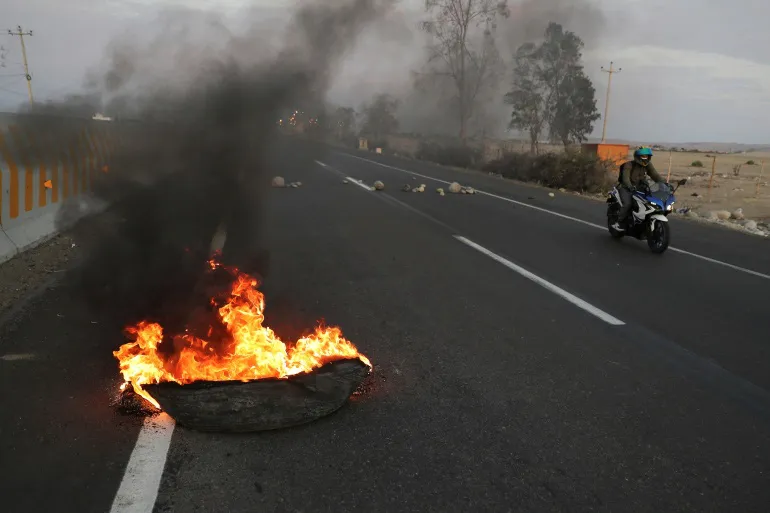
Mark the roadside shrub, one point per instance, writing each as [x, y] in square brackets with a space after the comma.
[574, 170]
[455, 155]
[751, 163]
[696, 163]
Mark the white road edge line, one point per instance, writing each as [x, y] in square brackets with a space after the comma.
[719, 262]
[14, 357]
[609, 319]
[139, 488]
[359, 183]
[570, 218]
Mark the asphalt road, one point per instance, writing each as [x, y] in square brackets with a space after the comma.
[494, 391]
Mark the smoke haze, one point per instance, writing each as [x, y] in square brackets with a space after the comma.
[205, 156]
[430, 111]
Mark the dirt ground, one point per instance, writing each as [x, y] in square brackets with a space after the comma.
[33, 269]
[747, 190]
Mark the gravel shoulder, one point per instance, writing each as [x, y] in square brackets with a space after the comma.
[34, 270]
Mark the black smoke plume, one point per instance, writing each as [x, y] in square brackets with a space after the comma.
[199, 143]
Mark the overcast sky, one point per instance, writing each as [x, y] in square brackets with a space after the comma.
[693, 70]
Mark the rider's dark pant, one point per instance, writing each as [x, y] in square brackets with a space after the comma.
[625, 197]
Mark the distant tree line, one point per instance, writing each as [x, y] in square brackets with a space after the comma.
[550, 95]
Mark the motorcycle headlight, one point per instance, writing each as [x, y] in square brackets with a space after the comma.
[670, 207]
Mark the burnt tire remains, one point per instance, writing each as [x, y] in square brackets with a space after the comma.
[261, 405]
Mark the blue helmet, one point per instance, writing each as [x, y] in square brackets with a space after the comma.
[643, 155]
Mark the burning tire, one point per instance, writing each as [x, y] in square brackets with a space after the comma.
[223, 370]
[261, 405]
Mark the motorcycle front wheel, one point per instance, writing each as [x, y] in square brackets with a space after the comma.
[659, 238]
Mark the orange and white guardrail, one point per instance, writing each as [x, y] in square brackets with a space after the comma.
[45, 162]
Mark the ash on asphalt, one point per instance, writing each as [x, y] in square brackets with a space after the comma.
[127, 402]
[370, 387]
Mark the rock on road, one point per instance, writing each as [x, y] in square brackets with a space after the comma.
[497, 387]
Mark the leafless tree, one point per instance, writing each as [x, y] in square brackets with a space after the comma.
[463, 49]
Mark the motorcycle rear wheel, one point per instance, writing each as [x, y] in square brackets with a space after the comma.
[612, 218]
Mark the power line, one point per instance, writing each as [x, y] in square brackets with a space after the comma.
[610, 72]
[20, 32]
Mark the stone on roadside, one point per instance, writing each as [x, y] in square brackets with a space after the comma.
[278, 181]
[723, 215]
[562, 189]
[692, 214]
[712, 216]
[738, 214]
[455, 188]
[750, 225]
[440, 190]
[552, 195]
[406, 188]
[378, 185]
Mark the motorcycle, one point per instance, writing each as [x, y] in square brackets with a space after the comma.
[647, 219]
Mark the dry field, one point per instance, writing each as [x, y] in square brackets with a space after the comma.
[728, 191]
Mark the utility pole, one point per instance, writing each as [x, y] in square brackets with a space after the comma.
[610, 72]
[19, 32]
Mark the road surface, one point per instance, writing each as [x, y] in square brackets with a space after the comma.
[524, 361]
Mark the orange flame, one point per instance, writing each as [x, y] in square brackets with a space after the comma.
[254, 352]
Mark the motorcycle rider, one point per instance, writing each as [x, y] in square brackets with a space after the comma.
[632, 174]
